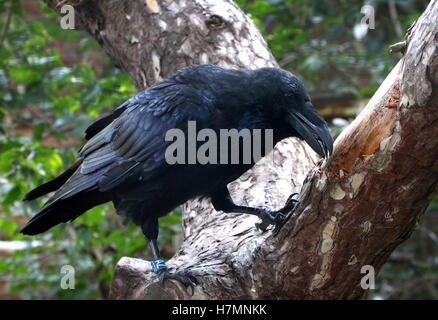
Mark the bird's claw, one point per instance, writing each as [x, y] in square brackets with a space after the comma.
[291, 203]
[188, 280]
[262, 226]
[279, 217]
[279, 225]
[270, 217]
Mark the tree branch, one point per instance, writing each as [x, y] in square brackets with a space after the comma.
[354, 209]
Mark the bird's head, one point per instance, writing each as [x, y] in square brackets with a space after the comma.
[291, 110]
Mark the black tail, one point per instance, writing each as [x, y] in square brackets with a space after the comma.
[54, 184]
[63, 211]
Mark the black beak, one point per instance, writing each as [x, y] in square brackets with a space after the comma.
[317, 136]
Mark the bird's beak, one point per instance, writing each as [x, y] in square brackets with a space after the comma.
[317, 135]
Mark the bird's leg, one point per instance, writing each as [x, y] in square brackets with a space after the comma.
[159, 267]
[150, 230]
[158, 263]
[221, 200]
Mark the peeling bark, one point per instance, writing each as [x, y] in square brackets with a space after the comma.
[354, 209]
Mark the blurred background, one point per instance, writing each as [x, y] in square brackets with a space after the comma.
[54, 82]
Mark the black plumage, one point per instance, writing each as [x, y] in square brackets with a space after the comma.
[124, 158]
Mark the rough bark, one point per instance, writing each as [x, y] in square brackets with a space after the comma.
[354, 209]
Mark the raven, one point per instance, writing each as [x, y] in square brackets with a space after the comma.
[124, 160]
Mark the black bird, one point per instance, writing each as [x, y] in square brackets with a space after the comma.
[124, 160]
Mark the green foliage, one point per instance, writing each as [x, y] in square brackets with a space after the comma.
[49, 94]
[315, 40]
[45, 105]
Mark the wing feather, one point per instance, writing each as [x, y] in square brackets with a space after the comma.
[132, 146]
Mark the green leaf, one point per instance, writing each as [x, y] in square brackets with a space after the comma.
[8, 226]
[23, 74]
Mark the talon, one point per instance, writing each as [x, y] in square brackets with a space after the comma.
[292, 196]
[185, 278]
[262, 226]
[279, 217]
[281, 224]
[290, 204]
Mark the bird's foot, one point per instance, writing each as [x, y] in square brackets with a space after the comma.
[188, 280]
[159, 267]
[278, 217]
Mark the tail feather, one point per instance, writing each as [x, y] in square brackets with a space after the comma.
[52, 185]
[48, 218]
[64, 211]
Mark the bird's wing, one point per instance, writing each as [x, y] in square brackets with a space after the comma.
[133, 144]
[102, 123]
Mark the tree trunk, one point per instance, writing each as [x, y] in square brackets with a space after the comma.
[354, 209]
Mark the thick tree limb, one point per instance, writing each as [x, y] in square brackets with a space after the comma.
[355, 208]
